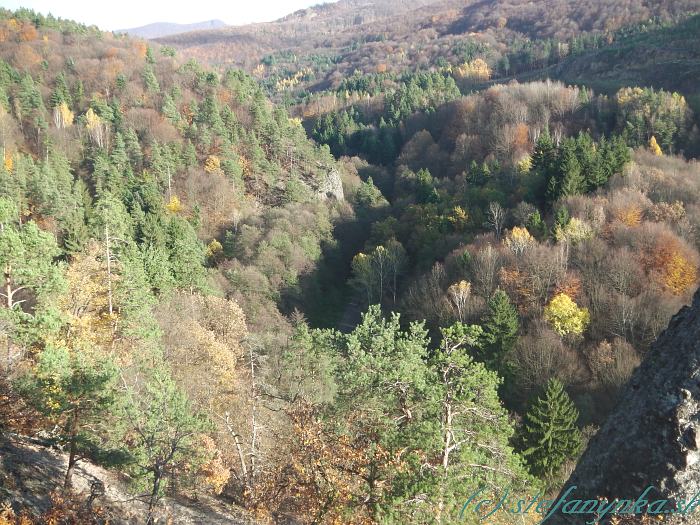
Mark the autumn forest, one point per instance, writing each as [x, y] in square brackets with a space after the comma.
[347, 267]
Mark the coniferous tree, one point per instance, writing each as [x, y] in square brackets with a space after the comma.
[169, 109]
[27, 258]
[571, 180]
[187, 255]
[74, 387]
[536, 225]
[150, 80]
[561, 217]
[550, 435]
[61, 93]
[164, 429]
[133, 149]
[501, 325]
[544, 156]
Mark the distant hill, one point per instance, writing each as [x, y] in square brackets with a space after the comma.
[667, 58]
[334, 40]
[162, 29]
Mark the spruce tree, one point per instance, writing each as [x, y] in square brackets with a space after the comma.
[186, 255]
[544, 155]
[150, 80]
[561, 217]
[61, 93]
[550, 435]
[572, 181]
[501, 326]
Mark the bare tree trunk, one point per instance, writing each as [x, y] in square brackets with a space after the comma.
[8, 286]
[447, 448]
[254, 423]
[157, 475]
[109, 270]
[73, 454]
[170, 192]
[239, 449]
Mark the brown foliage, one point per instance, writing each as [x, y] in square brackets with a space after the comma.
[141, 48]
[65, 509]
[326, 474]
[513, 282]
[26, 57]
[672, 261]
[27, 32]
[571, 286]
[612, 364]
[541, 355]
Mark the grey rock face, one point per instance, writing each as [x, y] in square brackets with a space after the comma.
[652, 437]
[331, 186]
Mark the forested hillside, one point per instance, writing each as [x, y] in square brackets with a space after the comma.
[349, 293]
[319, 46]
[161, 29]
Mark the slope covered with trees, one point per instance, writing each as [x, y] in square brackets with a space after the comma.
[179, 251]
[321, 45]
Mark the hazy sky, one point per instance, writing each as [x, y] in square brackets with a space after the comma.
[123, 14]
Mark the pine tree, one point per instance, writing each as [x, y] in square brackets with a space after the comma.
[169, 109]
[118, 158]
[163, 427]
[74, 387]
[187, 255]
[149, 56]
[135, 298]
[27, 259]
[463, 389]
[550, 435]
[567, 177]
[79, 92]
[589, 158]
[536, 225]
[133, 149]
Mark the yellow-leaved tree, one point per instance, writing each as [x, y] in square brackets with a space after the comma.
[654, 147]
[575, 231]
[680, 273]
[97, 128]
[518, 240]
[86, 302]
[9, 163]
[203, 344]
[477, 70]
[459, 295]
[174, 205]
[63, 116]
[212, 164]
[565, 316]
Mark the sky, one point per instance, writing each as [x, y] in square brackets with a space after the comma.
[125, 14]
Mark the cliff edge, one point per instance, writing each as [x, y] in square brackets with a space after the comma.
[652, 437]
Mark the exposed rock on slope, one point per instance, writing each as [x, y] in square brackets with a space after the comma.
[652, 438]
[29, 472]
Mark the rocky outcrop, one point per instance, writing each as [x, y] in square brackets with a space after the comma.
[30, 471]
[331, 186]
[652, 437]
